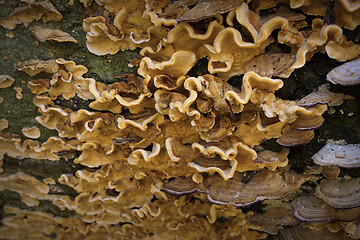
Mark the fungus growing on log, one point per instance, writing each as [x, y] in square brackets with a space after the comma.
[313, 209]
[338, 153]
[6, 81]
[45, 34]
[340, 193]
[345, 74]
[187, 145]
[240, 190]
[31, 132]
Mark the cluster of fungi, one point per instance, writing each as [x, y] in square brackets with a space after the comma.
[173, 155]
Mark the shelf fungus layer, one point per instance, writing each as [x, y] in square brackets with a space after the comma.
[301, 233]
[345, 74]
[340, 193]
[241, 190]
[313, 209]
[338, 153]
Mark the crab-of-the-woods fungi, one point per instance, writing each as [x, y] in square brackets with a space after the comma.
[345, 74]
[338, 153]
[340, 193]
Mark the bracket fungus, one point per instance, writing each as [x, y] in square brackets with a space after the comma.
[3, 124]
[340, 193]
[330, 172]
[322, 96]
[313, 209]
[274, 219]
[44, 10]
[338, 153]
[45, 34]
[301, 233]
[30, 189]
[190, 11]
[241, 190]
[345, 74]
[31, 132]
[6, 81]
[169, 152]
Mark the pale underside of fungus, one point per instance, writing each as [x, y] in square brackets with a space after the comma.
[338, 153]
[169, 153]
[345, 74]
[45, 34]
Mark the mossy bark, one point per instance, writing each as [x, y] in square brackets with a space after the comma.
[21, 113]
